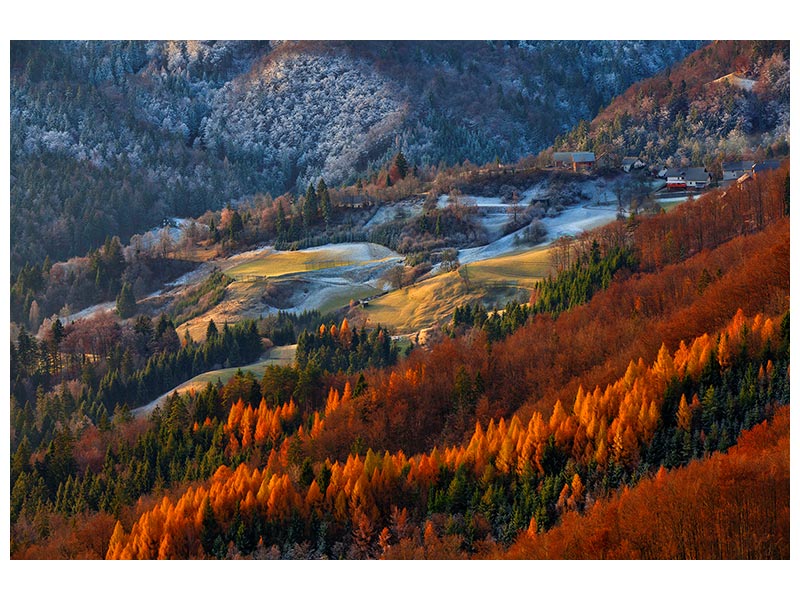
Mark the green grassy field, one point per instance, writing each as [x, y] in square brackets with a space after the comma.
[279, 355]
[336, 298]
[668, 205]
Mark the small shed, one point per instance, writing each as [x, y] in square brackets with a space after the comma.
[562, 159]
[631, 162]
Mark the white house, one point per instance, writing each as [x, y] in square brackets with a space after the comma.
[676, 178]
[735, 169]
[688, 178]
[697, 178]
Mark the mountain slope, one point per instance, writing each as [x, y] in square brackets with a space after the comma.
[111, 137]
[726, 101]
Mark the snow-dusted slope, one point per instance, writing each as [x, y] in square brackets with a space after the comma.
[303, 113]
[108, 138]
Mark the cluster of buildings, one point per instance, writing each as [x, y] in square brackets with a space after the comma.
[742, 170]
[683, 178]
[697, 178]
[586, 161]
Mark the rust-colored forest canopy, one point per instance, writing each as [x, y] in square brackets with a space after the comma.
[649, 422]
[608, 430]
[730, 506]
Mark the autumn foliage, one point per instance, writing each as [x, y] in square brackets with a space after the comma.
[601, 432]
[605, 427]
[730, 506]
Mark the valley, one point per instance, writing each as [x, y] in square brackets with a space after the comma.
[400, 300]
[327, 278]
[355, 279]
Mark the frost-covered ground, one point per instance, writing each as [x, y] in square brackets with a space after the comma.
[403, 209]
[363, 274]
[575, 220]
[88, 312]
[314, 289]
[492, 202]
[599, 209]
[572, 221]
[356, 252]
[326, 286]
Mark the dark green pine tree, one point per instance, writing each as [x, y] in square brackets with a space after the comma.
[126, 302]
[236, 225]
[310, 207]
[210, 529]
[113, 261]
[213, 232]
[324, 198]
[402, 165]
[280, 220]
[57, 335]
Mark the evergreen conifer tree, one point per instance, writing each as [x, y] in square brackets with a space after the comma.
[126, 302]
[310, 206]
[402, 165]
[324, 198]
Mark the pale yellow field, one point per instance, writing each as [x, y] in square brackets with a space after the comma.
[430, 302]
[339, 297]
[275, 264]
[241, 302]
[421, 305]
[272, 263]
[525, 267]
[493, 282]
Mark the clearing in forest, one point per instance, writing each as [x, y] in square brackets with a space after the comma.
[277, 355]
[493, 282]
[272, 263]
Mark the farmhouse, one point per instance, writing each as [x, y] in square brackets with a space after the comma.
[697, 178]
[676, 179]
[574, 160]
[689, 178]
[766, 165]
[735, 169]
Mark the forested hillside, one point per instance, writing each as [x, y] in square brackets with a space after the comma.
[108, 138]
[642, 362]
[726, 101]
